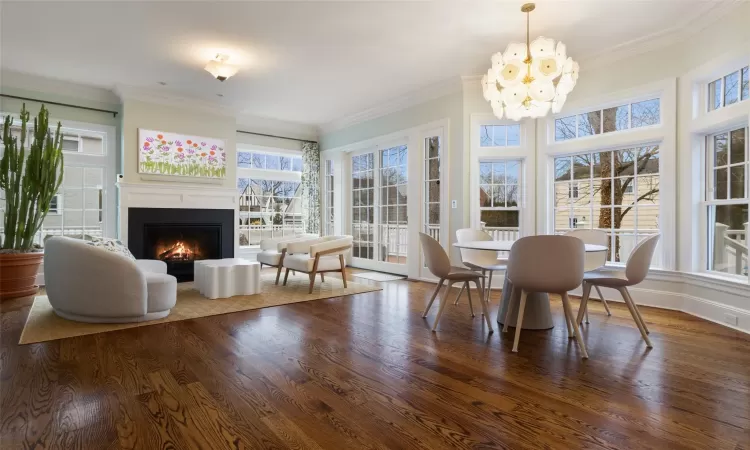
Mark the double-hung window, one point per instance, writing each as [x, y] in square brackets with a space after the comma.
[268, 186]
[727, 199]
[499, 197]
[616, 191]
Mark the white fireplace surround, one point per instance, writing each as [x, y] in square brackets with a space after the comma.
[138, 195]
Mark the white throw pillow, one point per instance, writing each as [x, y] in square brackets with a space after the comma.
[111, 245]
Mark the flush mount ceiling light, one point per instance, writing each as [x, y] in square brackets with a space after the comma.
[219, 68]
[529, 79]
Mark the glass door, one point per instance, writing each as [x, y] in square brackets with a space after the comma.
[434, 209]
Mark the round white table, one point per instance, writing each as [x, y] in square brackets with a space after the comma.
[537, 315]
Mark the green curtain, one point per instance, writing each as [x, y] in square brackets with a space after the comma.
[311, 187]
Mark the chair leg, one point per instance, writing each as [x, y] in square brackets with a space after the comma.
[458, 297]
[278, 274]
[443, 301]
[519, 321]
[584, 302]
[507, 312]
[576, 331]
[640, 317]
[488, 288]
[468, 292]
[634, 312]
[343, 269]
[485, 311]
[322, 278]
[286, 275]
[312, 282]
[432, 299]
[604, 302]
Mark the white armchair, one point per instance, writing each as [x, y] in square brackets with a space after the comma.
[313, 256]
[89, 284]
[273, 251]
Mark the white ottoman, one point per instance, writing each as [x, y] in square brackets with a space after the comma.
[222, 278]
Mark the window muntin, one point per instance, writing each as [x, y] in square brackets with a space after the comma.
[727, 199]
[328, 218]
[269, 161]
[499, 197]
[500, 135]
[617, 191]
[363, 205]
[729, 89]
[609, 120]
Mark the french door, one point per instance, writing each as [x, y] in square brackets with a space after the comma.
[379, 209]
[396, 191]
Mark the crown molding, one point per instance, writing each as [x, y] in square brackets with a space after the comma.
[268, 125]
[160, 97]
[431, 92]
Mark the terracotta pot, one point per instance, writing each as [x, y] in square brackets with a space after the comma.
[18, 274]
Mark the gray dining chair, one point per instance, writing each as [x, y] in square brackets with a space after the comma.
[479, 260]
[634, 272]
[593, 260]
[440, 265]
[551, 264]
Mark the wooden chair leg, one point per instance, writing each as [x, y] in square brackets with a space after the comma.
[519, 321]
[443, 301]
[634, 312]
[576, 331]
[278, 274]
[458, 297]
[584, 301]
[468, 292]
[286, 275]
[485, 311]
[488, 288]
[343, 269]
[322, 278]
[638, 311]
[509, 308]
[604, 302]
[312, 282]
[432, 299]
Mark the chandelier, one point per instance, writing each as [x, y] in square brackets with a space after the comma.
[529, 79]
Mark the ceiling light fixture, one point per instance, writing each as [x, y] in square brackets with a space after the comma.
[529, 79]
[219, 68]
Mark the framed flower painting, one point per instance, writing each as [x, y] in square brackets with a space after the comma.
[161, 153]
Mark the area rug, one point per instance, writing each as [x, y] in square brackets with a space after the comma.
[44, 325]
[378, 276]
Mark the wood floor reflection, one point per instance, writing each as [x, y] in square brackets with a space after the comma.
[366, 372]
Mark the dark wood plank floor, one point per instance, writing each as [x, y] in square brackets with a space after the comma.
[366, 372]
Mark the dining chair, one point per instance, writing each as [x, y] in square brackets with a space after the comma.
[481, 260]
[439, 264]
[593, 260]
[634, 272]
[551, 264]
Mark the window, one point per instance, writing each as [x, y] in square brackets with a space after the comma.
[617, 191]
[729, 89]
[499, 135]
[393, 198]
[727, 202]
[77, 210]
[363, 205]
[328, 218]
[608, 120]
[499, 197]
[269, 201]
[269, 161]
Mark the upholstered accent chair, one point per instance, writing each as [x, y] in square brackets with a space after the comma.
[316, 256]
[89, 284]
[273, 251]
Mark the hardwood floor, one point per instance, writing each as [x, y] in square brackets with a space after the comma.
[366, 372]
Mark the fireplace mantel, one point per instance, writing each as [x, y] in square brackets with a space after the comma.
[173, 195]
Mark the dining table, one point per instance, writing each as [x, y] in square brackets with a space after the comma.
[537, 313]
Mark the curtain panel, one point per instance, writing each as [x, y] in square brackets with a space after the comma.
[311, 187]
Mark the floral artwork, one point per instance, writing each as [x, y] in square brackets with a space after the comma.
[162, 153]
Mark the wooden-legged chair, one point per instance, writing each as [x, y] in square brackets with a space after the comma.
[317, 256]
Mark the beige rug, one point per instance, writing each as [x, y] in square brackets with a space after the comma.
[44, 325]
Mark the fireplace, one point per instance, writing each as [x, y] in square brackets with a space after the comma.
[179, 237]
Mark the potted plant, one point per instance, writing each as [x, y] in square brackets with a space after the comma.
[29, 180]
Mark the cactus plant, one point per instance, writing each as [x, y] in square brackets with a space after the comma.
[29, 181]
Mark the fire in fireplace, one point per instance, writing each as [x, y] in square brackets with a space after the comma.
[179, 251]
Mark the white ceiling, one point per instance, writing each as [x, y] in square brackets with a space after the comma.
[308, 62]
